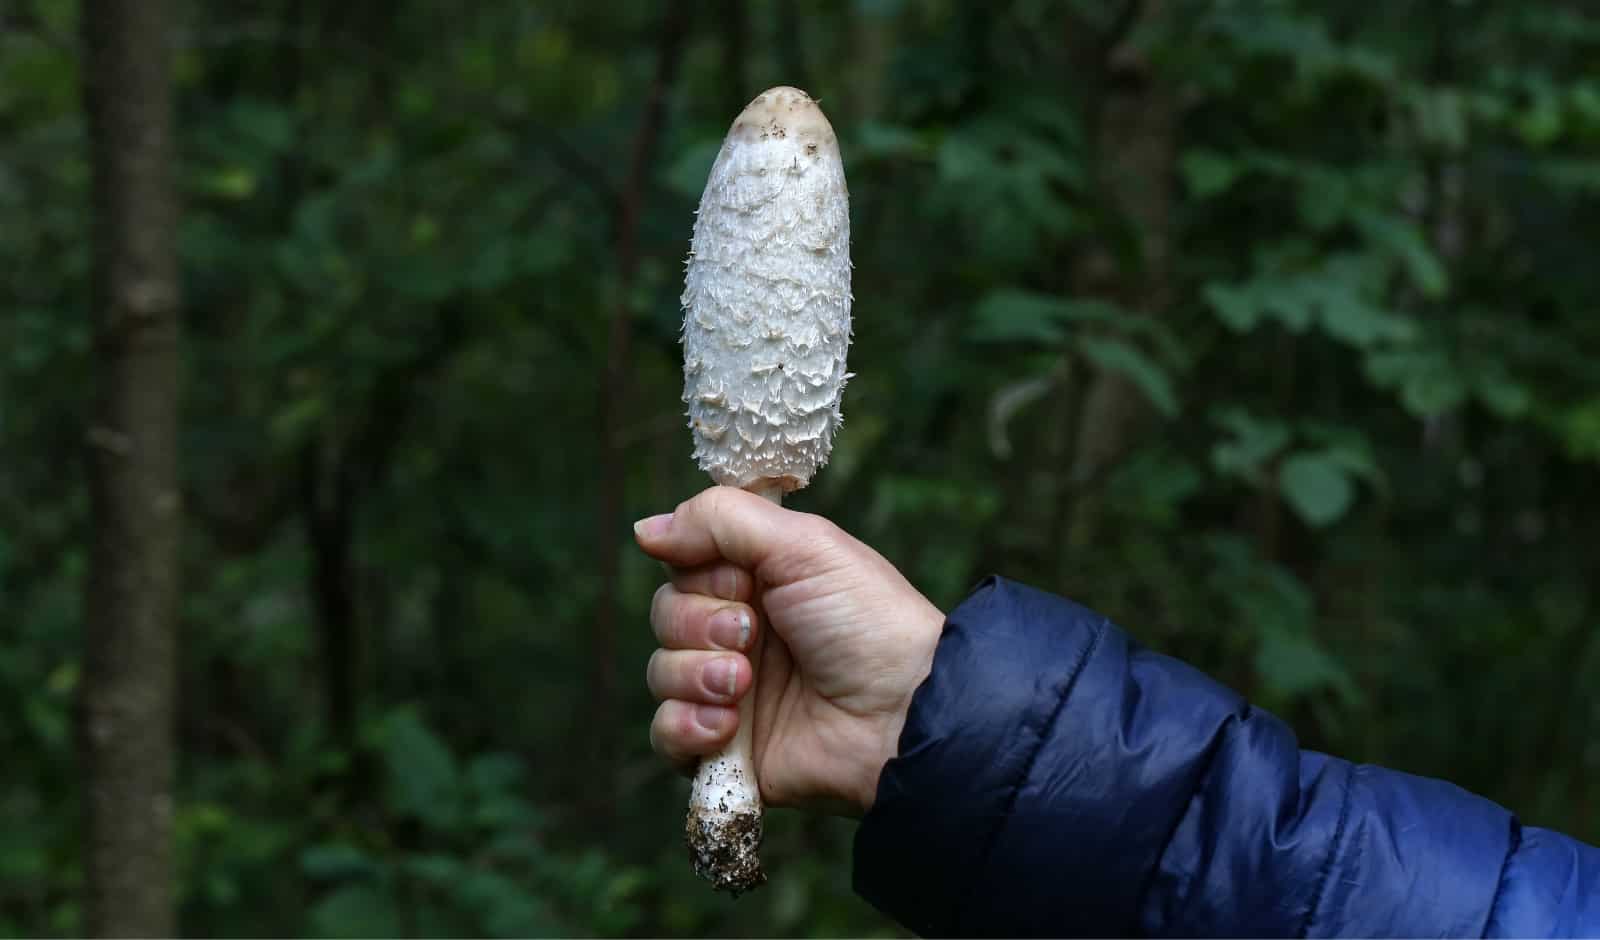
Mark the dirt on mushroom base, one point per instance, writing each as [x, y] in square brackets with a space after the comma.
[724, 847]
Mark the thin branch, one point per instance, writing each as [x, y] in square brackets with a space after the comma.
[569, 158]
[1121, 25]
[614, 382]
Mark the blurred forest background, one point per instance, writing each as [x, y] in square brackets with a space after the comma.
[1270, 329]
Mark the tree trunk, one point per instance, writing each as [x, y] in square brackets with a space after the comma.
[127, 698]
[613, 395]
[1135, 131]
[735, 44]
[328, 507]
[791, 50]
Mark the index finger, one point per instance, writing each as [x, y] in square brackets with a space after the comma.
[722, 522]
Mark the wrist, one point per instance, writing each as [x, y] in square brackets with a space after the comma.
[887, 748]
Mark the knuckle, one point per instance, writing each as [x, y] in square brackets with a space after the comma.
[661, 732]
[652, 671]
[728, 582]
[679, 630]
[684, 724]
[823, 529]
[821, 534]
[662, 614]
[714, 503]
[659, 602]
[714, 499]
[705, 505]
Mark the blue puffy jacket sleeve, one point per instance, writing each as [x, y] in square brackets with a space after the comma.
[1056, 779]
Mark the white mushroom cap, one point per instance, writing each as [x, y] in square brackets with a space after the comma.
[766, 297]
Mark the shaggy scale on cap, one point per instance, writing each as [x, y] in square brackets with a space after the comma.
[766, 297]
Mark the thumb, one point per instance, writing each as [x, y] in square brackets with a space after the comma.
[722, 522]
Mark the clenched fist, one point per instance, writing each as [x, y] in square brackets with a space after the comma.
[849, 640]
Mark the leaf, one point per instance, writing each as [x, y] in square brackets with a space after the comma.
[230, 182]
[1323, 200]
[1143, 371]
[1316, 487]
[1009, 400]
[1012, 315]
[1292, 301]
[1209, 173]
[1349, 448]
[504, 907]
[1441, 117]
[1580, 176]
[1542, 123]
[545, 252]
[358, 910]
[333, 861]
[1579, 428]
[1265, 596]
[1339, 296]
[263, 125]
[1294, 666]
[875, 139]
[687, 174]
[1255, 441]
[423, 780]
[1009, 315]
[1346, 317]
[296, 420]
[495, 783]
[492, 267]
[960, 158]
[494, 772]
[1500, 393]
[1236, 306]
[1011, 180]
[1403, 239]
[1154, 484]
[443, 870]
[1429, 383]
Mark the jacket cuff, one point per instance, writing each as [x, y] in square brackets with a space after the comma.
[1003, 670]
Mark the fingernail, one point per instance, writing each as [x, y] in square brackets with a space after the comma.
[653, 526]
[713, 718]
[721, 676]
[730, 628]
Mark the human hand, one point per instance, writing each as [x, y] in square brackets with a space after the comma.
[849, 643]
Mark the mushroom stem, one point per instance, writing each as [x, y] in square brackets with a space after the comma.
[724, 825]
[766, 329]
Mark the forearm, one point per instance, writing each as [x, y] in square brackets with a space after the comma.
[1056, 779]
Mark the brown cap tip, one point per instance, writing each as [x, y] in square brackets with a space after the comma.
[784, 112]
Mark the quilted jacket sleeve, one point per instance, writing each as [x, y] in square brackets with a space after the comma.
[1056, 779]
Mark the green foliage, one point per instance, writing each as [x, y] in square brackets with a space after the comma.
[1038, 320]
[463, 853]
[1348, 293]
[1316, 487]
